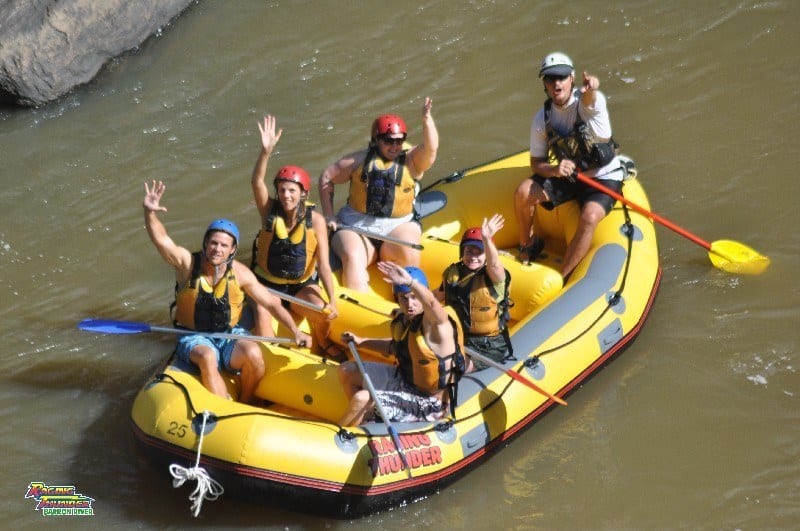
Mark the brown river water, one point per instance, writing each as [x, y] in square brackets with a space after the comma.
[695, 426]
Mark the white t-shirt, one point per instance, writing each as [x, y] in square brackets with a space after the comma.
[563, 119]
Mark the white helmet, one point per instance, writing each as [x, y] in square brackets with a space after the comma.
[556, 64]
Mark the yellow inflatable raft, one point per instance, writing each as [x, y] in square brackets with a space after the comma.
[290, 453]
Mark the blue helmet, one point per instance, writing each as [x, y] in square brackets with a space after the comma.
[223, 225]
[416, 274]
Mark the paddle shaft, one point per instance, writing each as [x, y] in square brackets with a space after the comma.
[298, 301]
[392, 432]
[224, 335]
[348, 298]
[131, 327]
[488, 361]
[515, 375]
[453, 177]
[381, 237]
[655, 217]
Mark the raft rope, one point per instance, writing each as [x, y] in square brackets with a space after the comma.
[207, 487]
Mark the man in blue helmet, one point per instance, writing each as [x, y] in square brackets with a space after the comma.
[570, 133]
[426, 342]
[210, 287]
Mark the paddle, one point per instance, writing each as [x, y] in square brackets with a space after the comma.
[515, 375]
[348, 298]
[298, 301]
[453, 177]
[106, 326]
[728, 255]
[392, 432]
[381, 237]
[488, 361]
[428, 203]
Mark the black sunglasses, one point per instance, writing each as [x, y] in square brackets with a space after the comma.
[550, 78]
[392, 141]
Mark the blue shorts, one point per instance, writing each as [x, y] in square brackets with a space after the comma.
[223, 348]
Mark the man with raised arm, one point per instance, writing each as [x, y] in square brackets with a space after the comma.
[210, 288]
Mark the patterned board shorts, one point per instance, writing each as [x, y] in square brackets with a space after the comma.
[400, 400]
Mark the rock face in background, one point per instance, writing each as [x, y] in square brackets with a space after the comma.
[47, 47]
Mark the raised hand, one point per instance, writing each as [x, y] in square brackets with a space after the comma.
[269, 138]
[492, 226]
[589, 82]
[426, 108]
[394, 274]
[152, 196]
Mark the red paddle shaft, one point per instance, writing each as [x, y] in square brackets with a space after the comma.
[655, 217]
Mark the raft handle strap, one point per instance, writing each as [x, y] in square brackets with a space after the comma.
[345, 435]
[531, 362]
[444, 426]
[207, 487]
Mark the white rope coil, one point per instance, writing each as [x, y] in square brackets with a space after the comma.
[207, 487]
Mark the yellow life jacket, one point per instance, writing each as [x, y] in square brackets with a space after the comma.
[481, 310]
[382, 188]
[418, 363]
[281, 257]
[205, 308]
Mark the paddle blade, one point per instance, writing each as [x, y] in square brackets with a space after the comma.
[735, 257]
[106, 326]
[430, 202]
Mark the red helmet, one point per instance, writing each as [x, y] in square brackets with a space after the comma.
[472, 236]
[388, 124]
[294, 174]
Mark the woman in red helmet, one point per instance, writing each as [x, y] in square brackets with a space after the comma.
[383, 186]
[476, 287]
[290, 252]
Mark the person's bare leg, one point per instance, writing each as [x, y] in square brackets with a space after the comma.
[356, 253]
[247, 358]
[359, 399]
[523, 211]
[402, 254]
[206, 359]
[318, 322]
[527, 196]
[357, 409]
[263, 321]
[591, 214]
[350, 378]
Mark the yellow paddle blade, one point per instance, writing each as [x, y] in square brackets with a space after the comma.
[735, 257]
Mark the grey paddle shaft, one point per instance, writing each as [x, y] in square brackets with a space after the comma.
[392, 432]
[224, 335]
[376, 236]
[298, 301]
